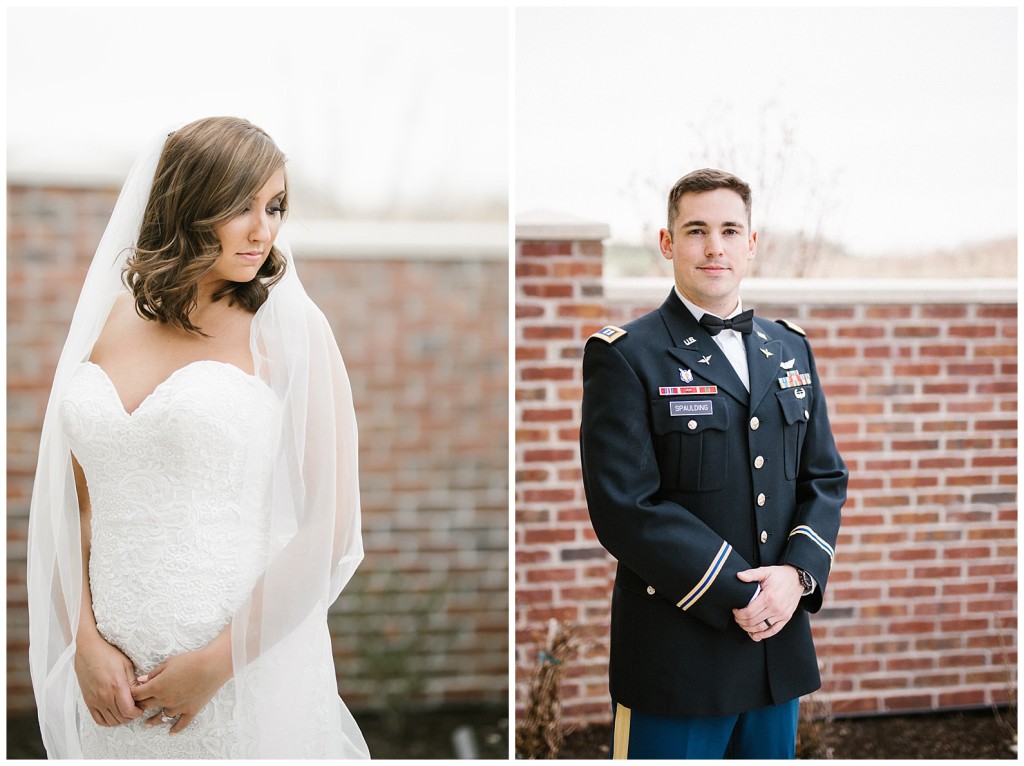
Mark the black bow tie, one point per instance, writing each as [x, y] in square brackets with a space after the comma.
[742, 322]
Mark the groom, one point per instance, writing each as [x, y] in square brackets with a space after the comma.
[712, 477]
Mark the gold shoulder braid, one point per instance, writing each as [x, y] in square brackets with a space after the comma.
[795, 328]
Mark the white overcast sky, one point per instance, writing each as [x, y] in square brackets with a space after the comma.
[903, 121]
[382, 111]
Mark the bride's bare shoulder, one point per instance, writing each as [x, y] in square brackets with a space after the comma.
[122, 323]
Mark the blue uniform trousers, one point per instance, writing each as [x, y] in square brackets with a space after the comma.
[766, 733]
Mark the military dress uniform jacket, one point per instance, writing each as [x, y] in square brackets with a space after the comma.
[689, 480]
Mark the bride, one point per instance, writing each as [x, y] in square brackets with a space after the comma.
[195, 509]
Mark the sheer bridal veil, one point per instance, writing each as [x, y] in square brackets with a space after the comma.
[313, 504]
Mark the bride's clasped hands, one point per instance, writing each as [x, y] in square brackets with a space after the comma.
[180, 687]
[177, 689]
[105, 676]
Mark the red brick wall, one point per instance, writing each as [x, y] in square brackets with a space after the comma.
[921, 607]
[425, 619]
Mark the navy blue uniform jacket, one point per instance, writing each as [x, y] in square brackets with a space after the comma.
[689, 480]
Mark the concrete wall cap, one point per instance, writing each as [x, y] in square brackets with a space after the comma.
[831, 291]
[547, 226]
[431, 240]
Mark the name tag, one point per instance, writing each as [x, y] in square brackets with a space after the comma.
[703, 407]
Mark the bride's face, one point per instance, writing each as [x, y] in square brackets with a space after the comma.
[245, 240]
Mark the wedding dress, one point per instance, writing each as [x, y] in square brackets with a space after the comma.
[178, 490]
[223, 499]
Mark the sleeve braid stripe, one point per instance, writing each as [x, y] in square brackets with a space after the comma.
[708, 579]
[803, 529]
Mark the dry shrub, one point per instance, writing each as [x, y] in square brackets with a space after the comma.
[540, 734]
[816, 733]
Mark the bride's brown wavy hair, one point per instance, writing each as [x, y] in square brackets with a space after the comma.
[207, 174]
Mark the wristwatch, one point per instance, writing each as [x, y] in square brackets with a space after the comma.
[806, 580]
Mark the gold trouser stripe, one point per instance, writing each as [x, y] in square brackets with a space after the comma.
[621, 735]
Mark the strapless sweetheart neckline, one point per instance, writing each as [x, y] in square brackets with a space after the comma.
[165, 382]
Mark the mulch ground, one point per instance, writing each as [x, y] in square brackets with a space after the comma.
[419, 735]
[988, 734]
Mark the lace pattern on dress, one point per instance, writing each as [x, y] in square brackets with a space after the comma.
[179, 536]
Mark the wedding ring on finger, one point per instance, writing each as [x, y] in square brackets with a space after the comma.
[164, 718]
[766, 622]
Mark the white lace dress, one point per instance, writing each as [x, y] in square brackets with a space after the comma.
[179, 535]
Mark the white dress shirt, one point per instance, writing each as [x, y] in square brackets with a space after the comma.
[730, 341]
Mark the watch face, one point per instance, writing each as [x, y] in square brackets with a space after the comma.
[805, 580]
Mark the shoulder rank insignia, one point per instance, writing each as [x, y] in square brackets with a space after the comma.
[795, 328]
[609, 334]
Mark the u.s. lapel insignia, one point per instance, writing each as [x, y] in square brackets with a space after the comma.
[761, 335]
[689, 341]
[705, 360]
[685, 375]
[787, 365]
[767, 353]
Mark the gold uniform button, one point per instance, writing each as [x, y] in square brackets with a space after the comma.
[650, 590]
[764, 536]
[692, 425]
[754, 423]
[759, 461]
[761, 499]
